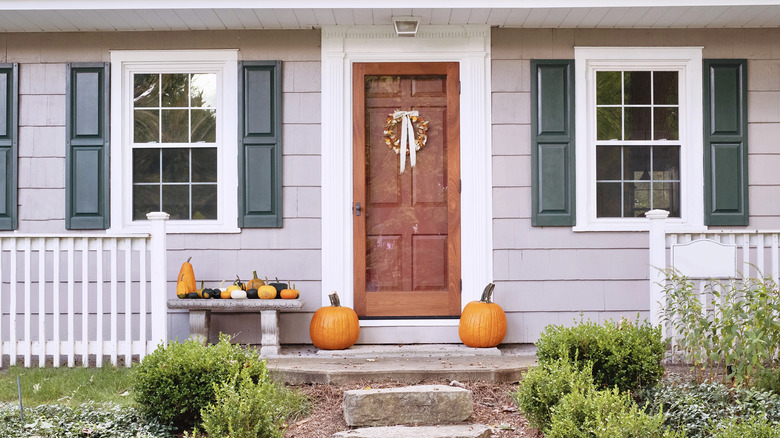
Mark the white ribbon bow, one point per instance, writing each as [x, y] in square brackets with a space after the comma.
[407, 137]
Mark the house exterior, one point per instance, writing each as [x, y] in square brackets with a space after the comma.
[550, 128]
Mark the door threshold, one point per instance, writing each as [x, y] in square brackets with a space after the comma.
[409, 322]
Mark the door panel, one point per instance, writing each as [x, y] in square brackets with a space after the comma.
[407, 236]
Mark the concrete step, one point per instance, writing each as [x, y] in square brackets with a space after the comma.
[423, 404]
[456, 431]
[412, 350]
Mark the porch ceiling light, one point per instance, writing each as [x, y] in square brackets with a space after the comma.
[406, 26]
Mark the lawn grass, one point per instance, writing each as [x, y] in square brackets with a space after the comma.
[67, 386]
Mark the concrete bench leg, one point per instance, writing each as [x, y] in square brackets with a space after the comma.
[200, 321]
[269, 329]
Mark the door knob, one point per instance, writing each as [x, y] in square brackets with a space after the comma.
[357, 209]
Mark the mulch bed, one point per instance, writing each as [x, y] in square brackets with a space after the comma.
[493, 407]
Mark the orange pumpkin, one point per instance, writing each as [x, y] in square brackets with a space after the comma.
[254, 283]
[187, 276]
[334, 327]
[482, 323]
[266, 292]
[290, 294]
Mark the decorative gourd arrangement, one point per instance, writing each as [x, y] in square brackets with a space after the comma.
[255, 288]
[334, 327]
[482, 323]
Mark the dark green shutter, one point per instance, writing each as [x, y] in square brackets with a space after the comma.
[87, 147]
[725, 142]
[552, 142]
[9, 150]
[260, 144]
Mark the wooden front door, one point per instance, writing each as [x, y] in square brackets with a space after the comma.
[407, 226]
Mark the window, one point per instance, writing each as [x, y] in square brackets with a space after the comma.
[637, 143]
[176, 117]
[638, 136]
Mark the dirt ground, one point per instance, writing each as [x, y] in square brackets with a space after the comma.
[493, 407]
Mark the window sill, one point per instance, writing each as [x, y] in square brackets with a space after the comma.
[179, 227]
[636, 225]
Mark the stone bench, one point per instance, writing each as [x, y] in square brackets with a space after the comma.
[201, 309]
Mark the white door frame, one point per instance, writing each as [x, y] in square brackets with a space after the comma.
[470, 47]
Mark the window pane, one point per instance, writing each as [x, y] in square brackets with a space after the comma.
[608, 123]
[176, 200]
[666, 163]
[204, 164]
[146, 126]
[608, 88]
[203, 91]
[175, 165]
[666, 124]
[665, 88]
[204, 201]
[608, 199]
[175, 90]
[636, 163]
[608, 163]
[175, 126]
[146, 165]
[145, 199]
[666, 196]
[637, 88]
[146, 90]
[637, 124]
[637, 199]
[204, 126]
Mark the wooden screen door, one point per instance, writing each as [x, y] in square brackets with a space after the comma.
[407, 226]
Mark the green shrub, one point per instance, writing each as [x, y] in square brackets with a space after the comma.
[244, 409]
[625, 354]
[768, 380]
[739, 333]
[175, 382]
[604, 414]
[752, 427]
[543, 387]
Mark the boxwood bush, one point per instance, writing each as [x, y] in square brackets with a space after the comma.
[176, 381]
[544, 386]
[604, 414]
[626, 354]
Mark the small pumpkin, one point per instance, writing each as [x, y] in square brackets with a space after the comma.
[482, 323]
[290, 293]
[251, 294]
[238, 294]
[187, 276]
[266, 292]
[192, 295]
[226, 293]
[203, 292]
[279, 287]
[334, 327]
[254, 283]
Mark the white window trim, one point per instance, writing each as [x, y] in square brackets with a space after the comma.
[126, 62]
[686, 60]
[470, 47]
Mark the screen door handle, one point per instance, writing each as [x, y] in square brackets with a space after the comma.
[357, 209]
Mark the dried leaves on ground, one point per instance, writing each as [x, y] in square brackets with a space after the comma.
[493, 406]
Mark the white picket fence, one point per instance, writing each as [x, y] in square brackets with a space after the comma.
[63, 297]
[708, 256]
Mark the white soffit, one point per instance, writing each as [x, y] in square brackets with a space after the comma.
[156, 15]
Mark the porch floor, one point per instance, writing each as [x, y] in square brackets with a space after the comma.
[411, 364]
